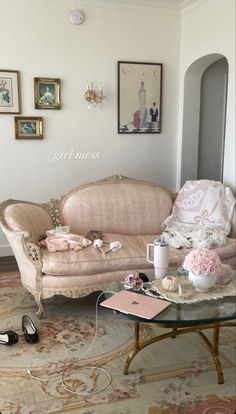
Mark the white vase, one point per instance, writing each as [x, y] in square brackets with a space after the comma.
[202, 282]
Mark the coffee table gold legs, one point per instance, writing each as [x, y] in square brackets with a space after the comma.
[134, 351]
[214, 350]
[139, 346]
[213, 347]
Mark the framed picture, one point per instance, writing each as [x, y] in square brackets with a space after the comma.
[47, 93]
[139, 97]
[29, 127]
[9, 92]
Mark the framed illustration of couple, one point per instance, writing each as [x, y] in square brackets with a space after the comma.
[28, 127]
[139, 97]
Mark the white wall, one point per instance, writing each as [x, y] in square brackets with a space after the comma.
[210, 29]
[212, 121]
[38, 40]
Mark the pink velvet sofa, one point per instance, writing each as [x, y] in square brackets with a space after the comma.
[124, 209]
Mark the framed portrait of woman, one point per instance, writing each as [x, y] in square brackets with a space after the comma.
[47, 93]
[139, 97]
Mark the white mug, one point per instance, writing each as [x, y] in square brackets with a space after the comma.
[160, 259]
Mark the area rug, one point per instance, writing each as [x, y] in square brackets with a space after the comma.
[175, 376]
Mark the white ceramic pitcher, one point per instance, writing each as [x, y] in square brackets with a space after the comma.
[160, 259]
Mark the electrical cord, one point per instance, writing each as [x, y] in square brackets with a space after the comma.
[87, 394]
[101, 369]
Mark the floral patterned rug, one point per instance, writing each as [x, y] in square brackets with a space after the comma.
[175, 376]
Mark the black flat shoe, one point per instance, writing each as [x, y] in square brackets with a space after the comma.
[8, 337]
[30, 331]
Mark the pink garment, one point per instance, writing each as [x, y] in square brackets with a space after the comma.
[224, 274]
[56, 244]
[76, 242]
[67, 242]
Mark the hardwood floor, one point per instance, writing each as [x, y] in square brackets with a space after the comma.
[8, 264]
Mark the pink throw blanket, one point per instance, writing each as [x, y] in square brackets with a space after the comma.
[202, 208]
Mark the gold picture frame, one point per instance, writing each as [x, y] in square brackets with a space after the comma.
[10, 92]
[47, 93]
[28, 127]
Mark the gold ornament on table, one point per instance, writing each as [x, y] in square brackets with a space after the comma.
[93, 97]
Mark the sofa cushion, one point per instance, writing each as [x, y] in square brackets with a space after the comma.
[131, 256]
[90, 261]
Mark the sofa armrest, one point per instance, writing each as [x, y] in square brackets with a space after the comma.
[30, 219]
[28, 257]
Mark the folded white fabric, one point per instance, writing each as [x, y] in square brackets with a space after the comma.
[59, 231]
[201, 215]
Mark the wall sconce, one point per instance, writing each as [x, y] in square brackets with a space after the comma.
[93, 97]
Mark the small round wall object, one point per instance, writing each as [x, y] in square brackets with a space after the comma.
[76, 16]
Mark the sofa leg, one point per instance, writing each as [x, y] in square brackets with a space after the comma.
[39, 313]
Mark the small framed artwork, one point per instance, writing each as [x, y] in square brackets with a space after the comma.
[29, 127]
[9, 92]
[47, 93]
[139, 97]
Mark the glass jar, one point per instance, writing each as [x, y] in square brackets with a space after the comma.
[134, 282]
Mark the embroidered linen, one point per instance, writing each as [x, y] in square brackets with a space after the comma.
[201, 215]
[188, 294]
[202, 237]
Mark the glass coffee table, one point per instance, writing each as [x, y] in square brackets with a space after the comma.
[183, 318]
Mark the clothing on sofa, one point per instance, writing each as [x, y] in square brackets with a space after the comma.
[66, 242]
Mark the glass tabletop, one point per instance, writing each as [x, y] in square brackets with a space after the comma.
[204, 312]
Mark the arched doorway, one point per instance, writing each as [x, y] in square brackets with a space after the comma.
[205, 91]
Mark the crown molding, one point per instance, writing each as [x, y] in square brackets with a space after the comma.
[189, 5]
[172, 6]
[164, 5]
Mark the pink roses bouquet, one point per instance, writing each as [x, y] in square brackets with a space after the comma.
[202, 261]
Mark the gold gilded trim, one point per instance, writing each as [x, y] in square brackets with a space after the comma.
[53, 208]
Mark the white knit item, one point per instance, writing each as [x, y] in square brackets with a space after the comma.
[192, 237]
